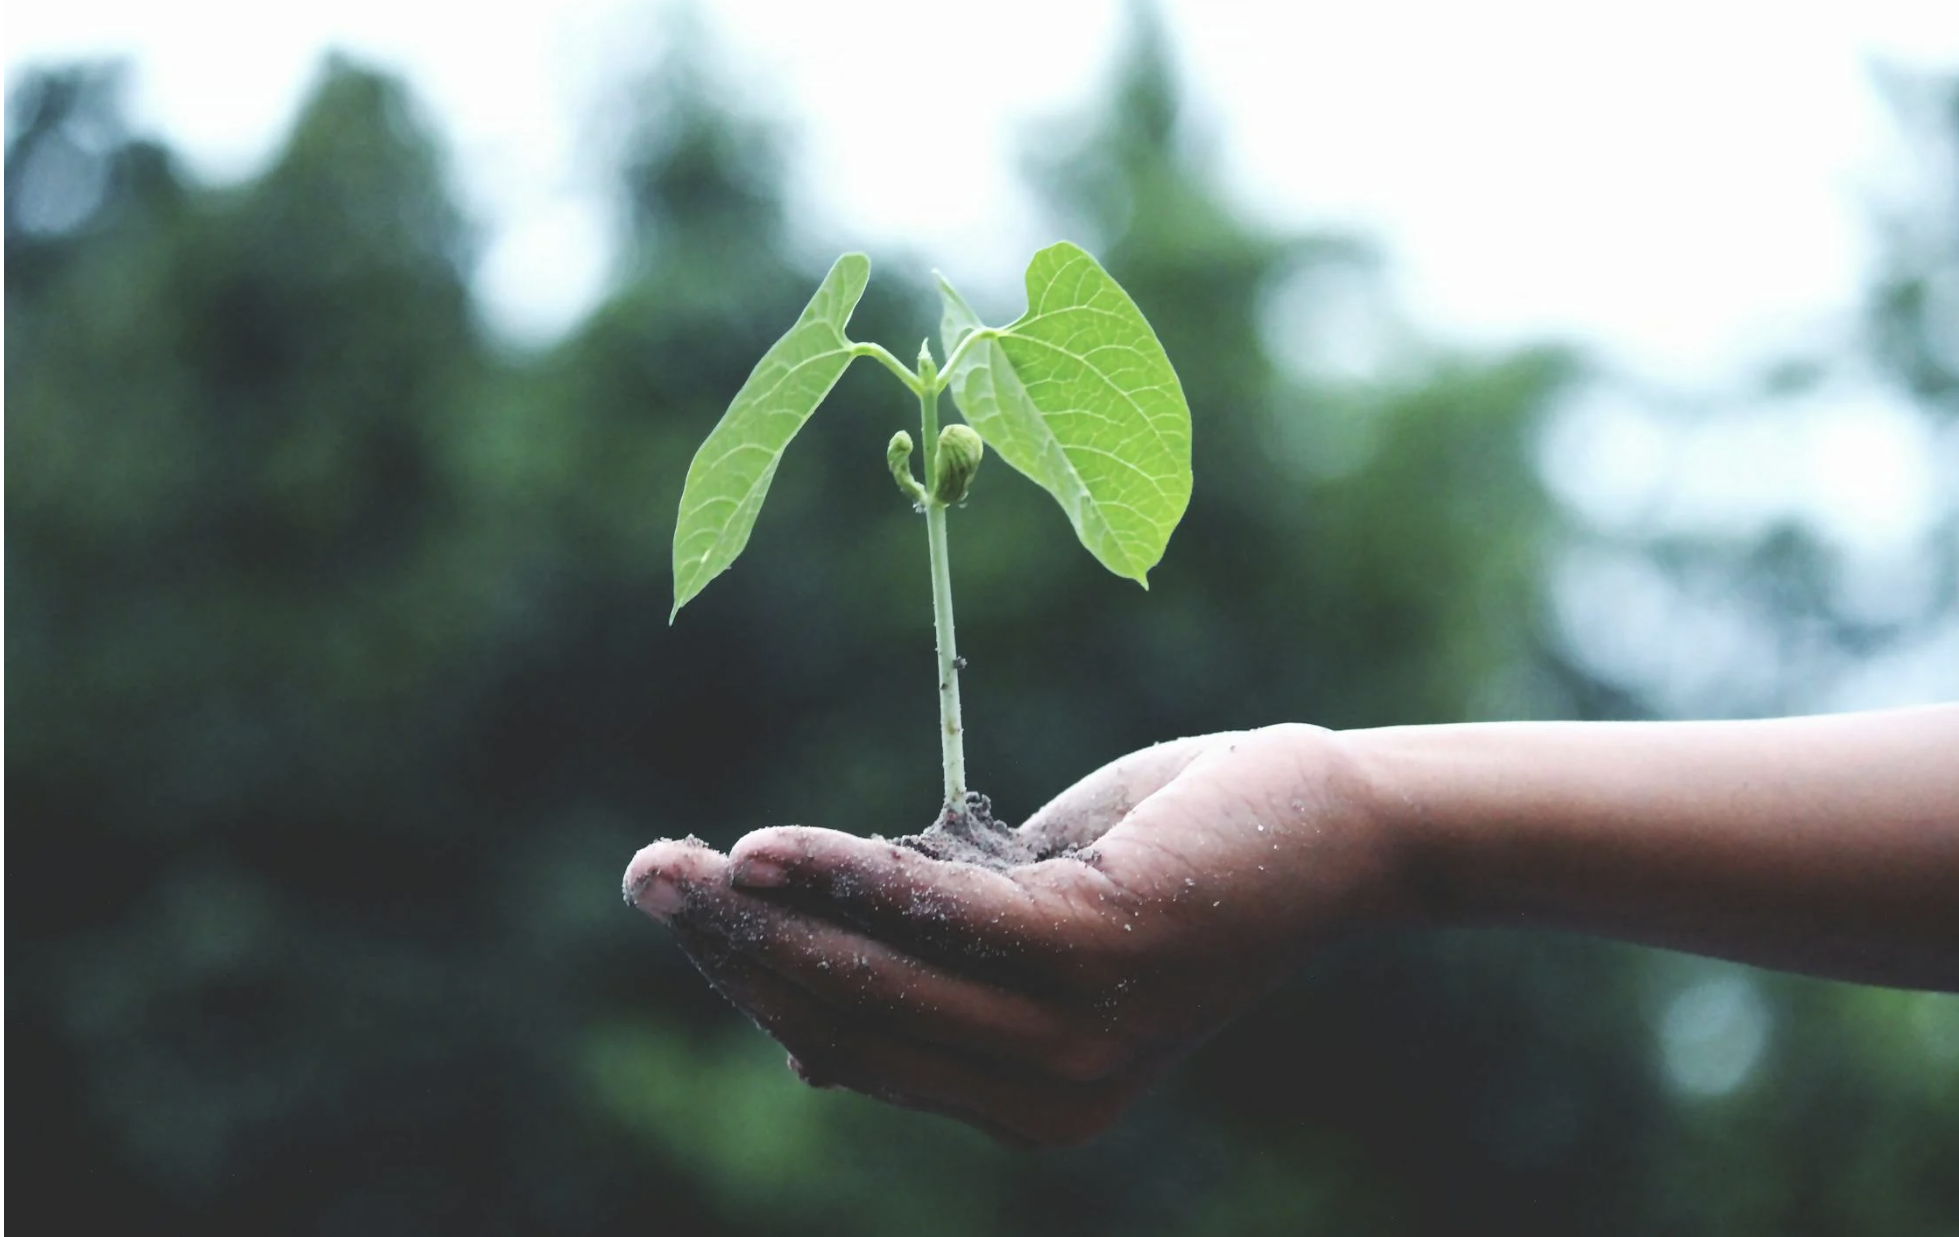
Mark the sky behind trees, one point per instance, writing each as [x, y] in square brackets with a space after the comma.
[1679, 187]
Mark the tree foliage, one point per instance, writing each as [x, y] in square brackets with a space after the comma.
[340, 694]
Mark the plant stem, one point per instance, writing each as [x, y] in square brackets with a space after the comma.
[882, 357]
[952, 738]
[972, 338]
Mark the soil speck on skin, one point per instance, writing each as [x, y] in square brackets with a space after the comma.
[977, 838]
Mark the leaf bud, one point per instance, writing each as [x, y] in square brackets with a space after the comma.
[960, 450]
[898, 455]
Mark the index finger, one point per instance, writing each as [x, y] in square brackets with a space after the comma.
[929, 907]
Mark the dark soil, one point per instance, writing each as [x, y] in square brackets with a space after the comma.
[973, 836]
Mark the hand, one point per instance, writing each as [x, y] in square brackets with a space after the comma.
[1037, 1002]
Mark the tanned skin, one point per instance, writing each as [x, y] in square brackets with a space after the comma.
[1037, 1003]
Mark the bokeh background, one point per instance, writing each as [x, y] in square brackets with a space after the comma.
[340, 688]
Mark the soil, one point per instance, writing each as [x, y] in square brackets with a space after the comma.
[974, 836]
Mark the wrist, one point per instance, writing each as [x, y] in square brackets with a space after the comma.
[1390, 779]
[1360, 861]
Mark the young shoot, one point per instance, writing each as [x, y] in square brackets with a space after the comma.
[1076, 394]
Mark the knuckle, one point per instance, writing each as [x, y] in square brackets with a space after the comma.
[1074, 1125]
[1085, 1058]
[1085, 1110]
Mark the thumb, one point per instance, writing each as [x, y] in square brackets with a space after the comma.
[1091, 807]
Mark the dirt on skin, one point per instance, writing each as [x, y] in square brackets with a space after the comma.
[974, 836]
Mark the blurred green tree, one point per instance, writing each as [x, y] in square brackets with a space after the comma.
[341, 691]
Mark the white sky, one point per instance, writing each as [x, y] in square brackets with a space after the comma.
[1680, 182]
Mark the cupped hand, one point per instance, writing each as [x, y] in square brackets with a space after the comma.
[1037, 1002]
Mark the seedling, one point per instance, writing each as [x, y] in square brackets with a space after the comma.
[1077, 394]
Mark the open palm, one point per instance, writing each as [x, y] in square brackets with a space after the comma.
[1038, 1001]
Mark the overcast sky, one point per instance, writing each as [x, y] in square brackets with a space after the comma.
[1680, 182]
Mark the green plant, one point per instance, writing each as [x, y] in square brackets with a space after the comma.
[1076, 393]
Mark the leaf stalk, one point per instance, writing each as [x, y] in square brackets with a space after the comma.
[959, 353]
[882, 355]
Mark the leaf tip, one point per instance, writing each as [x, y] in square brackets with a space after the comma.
[855, 268]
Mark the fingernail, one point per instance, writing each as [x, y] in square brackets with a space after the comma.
[656, 895]
[760, 873]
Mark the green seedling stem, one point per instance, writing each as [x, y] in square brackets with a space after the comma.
[952, 739]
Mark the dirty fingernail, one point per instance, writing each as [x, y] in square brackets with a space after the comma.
[656, 895]
[760, 873]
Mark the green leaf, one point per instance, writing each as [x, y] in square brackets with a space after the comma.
[1079, 395]
[731, 472]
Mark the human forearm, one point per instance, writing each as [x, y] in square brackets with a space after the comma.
[1828, 845]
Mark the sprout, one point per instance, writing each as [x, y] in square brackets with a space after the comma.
[898, 455]
[960, 450]
[1077, 395]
